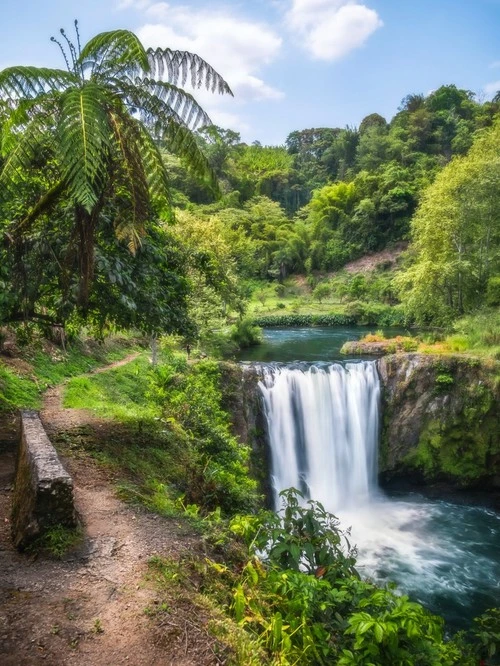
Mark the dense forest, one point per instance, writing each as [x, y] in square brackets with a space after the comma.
[168, 224]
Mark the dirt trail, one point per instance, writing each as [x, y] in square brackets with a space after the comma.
[88, 609]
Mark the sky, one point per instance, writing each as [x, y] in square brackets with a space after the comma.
[292, 64]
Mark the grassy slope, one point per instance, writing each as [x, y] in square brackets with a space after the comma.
[23, 380]
[297, 299]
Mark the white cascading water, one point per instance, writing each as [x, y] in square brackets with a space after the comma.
[323, 423]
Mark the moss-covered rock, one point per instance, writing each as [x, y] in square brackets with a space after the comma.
[242, 400]
[441, 420]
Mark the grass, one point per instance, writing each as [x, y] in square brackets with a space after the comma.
[146, 452]
[23, 381]
[119, 394]
[57, 541]
[295, 299]
[17, 391]
[477, 335]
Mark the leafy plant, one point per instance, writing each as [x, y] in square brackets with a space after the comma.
[97, 124]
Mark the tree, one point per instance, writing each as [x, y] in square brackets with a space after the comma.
[456, 236]
[98, 124]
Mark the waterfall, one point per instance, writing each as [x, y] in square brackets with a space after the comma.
[323, 426]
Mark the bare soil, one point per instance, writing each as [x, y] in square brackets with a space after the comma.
[370, 262]
[88, 609]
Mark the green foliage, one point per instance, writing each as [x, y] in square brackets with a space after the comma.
[117, 394]
[177, 443]
[304, 320]
[245, 333]
[297, 594]
[51, 365]
[17, 391]
[217, 475]
[81, 155]
[456, 237]
[493, 291]
[321, 291]
[57, 541]
[356, 313]
[443, 382]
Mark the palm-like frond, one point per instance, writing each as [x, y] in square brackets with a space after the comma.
[182, 103]
[181, 141]
[113, 51]
[156, 112]
[131, 173]
[20, 148]
[181, 65]
[28, 82]
[84, 143]
[156, 171]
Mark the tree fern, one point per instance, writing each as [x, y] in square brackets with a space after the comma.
[103, 120]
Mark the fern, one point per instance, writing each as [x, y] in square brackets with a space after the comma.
[84, 142]
[102, 122]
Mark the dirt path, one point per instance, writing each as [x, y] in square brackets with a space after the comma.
[89, 608]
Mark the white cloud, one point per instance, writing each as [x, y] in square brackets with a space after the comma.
[330, 29]
[236, 47]
[492, 88]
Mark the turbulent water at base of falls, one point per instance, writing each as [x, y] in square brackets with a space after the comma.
[323, 425]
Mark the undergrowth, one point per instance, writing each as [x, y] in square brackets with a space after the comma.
[284, 590]
[167, 432]
[57, 541]
[44, 365]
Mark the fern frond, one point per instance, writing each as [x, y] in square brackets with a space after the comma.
[178, 66]
[185, 105]
[156, 171]
[113, 51]
[182, 142]
[152, 110]
[131, 177]
[28, 82]
[20, 148]
[84, 142]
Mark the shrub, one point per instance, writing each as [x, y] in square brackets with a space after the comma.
[280, 290]
[321, 291]
[493, 291]
[302, 601]
[245, 333]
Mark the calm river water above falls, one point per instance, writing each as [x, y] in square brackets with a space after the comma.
[323, 425]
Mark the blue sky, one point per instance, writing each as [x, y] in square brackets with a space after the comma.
[292, 64]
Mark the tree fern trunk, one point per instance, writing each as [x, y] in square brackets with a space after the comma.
[86, 224]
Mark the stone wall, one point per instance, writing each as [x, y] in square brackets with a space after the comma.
[43, 490]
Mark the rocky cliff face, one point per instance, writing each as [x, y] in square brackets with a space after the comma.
[441, 421]
[242, 400]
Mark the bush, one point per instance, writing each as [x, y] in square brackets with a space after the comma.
[302, 601]
[280, 290]
[305, 320]
[216, 464]
[323, 290]
[245, 333]
[357, 313]
[493, 291]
